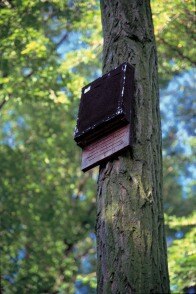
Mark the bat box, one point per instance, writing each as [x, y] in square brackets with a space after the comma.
[106, 105]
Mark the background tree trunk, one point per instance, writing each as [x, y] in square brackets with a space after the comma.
[131, 243]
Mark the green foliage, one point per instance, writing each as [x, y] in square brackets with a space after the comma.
[182, 253]
[174, 31]
[47, 209]
[49, 50]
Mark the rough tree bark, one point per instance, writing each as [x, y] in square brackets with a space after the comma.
[132, 254]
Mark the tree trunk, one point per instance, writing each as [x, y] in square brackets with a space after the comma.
[132, 254]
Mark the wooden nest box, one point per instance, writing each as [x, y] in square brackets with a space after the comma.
[104, 119]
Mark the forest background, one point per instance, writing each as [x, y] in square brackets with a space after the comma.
[49, 51]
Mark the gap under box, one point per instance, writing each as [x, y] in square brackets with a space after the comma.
[105, 148]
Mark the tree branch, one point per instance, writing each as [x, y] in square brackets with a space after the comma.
[4, 101]
[61, 41]
[177, 50]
